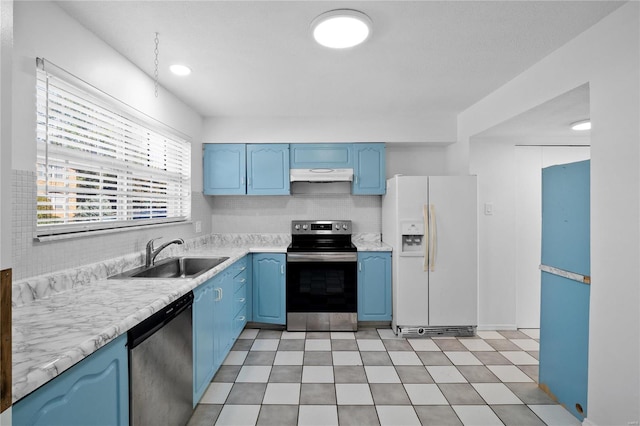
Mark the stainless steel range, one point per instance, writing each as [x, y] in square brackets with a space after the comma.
[321, 277]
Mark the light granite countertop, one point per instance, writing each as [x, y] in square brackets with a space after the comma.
[55, 328]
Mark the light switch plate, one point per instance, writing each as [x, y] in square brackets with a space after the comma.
[488, 209]
[198, 226]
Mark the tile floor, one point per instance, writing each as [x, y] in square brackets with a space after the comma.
[372, 377]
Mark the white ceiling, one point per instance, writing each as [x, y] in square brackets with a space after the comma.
[257, 58]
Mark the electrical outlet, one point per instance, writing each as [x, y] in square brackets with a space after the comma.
[488, 209]
[198, 226]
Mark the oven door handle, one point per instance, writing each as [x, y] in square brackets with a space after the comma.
[322, 257]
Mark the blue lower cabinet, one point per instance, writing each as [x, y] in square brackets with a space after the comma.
[374, 286]
[269, 288]
[203, 346]
[93, 392]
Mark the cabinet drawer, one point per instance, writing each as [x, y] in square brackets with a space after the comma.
[239, 267]
[239, 281]
[240, 320]
[240, 298]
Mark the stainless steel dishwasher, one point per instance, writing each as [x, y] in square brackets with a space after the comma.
[161, 366]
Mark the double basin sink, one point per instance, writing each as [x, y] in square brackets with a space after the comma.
[173, 267]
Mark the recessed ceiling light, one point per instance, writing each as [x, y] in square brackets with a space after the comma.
[180, 70]
[581, 125]
[341, 28]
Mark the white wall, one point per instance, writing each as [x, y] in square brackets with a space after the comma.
[607, 57]
[42, 29]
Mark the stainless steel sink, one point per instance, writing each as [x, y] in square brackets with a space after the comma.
[174, 267]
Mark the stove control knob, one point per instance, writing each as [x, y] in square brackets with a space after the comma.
[297, 227]
[304, 227]
[344, 226]
[337, 227]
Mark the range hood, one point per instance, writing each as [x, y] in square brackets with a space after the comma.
[321, 175]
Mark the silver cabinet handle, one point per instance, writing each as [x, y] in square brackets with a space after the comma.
[241, 300]
[282, 269]
[360, 266]
[243, 280]
[241, 318]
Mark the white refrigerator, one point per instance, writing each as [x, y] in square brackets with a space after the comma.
[431, 223]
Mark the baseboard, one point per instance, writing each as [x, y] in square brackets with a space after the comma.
[493, 327]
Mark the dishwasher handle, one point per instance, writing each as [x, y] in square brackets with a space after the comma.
[155, 322]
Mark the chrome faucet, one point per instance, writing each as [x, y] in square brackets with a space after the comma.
[152, 253]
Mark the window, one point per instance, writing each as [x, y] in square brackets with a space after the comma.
[100, 166]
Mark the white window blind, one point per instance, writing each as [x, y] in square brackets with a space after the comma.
[100, 167]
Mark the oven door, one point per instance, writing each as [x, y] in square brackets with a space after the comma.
[322, 282]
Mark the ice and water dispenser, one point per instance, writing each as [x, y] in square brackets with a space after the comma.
[413, 238]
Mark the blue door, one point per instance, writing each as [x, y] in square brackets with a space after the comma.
[374, 286]
[564, 311]
[369, 171]
[269, 288]
[224, 169]
[268, 169]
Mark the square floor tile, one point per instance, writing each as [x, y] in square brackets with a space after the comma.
[492, 358]
[404, 358]
[357, 415]
[502, 345]
[216, 393]
[346, 358]
[318, 394]
[349, 374]
[386, 333]
[249, 333]
[235, 358]
[397, 345]
[265, 345]
[517, 415]
[440, 415]
[242, 345]
[269, 334]
[282, 393]
[433, 358]
[318, 415]
[526, 344]
[288, 358]
[530, 393]
[375, 358]
[254, 374]
[353, 394]
[509, 373]
[293, 335]
[367, 333]
[424, 344]
[344, 345]
[462, 358]
[554, 415]
[318, 335]
[227, 373]
[445, 374]
[338, 335]
[370, 345]
[477, 415]
[413, 374]
[531, 371]
[519, 357]
[425, 394]
[286, 374]
[317, 345]
[392, 415]
[535, 354]
[477, 374]
[389, 394]
[317, 374]
[496, 393]
[246, 393]
[278, 415]
[513, 334]
[381, 374]
[534, 333]
[204, 415]
[318, 358]
[291, 345]
[461, 394]
[260, 358]
[240, 415]
[476, 345]
[490, 335]
[450, 345]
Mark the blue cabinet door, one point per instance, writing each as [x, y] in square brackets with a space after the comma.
[369, 169]
[203, 347]
[93, 392]
[269, 288]
[268, 169]
[224, 169]
[374, 286]
[321, 156]
[564, 310]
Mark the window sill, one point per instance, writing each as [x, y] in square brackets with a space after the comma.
[97, 232]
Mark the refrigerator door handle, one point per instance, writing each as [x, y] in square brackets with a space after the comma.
[433, 237]
[426, 241]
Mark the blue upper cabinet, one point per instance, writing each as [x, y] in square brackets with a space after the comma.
[268, 169]
[321, 156]
[224, 169]
[369, 169]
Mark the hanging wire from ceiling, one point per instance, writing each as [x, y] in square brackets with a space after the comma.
[155, 81]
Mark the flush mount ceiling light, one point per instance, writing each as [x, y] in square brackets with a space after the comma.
[180, 70]
[581, 125]
[341, 28]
